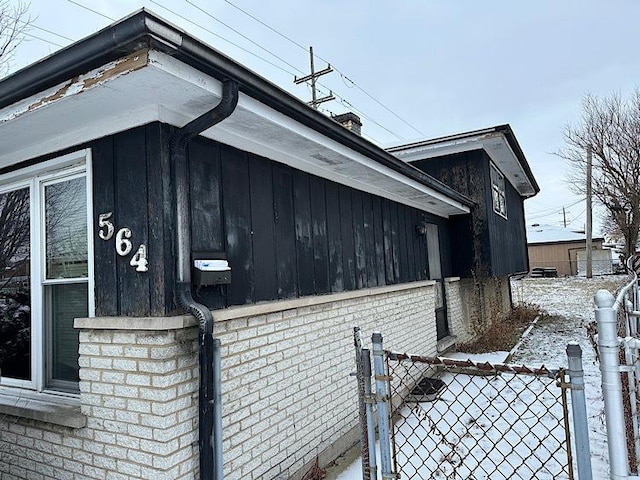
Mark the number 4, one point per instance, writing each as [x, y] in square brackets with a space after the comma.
[139, 259]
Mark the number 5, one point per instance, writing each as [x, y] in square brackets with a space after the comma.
[103, 222]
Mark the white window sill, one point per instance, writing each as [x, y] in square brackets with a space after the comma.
[52, 409]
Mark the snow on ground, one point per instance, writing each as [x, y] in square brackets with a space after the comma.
[569, 302]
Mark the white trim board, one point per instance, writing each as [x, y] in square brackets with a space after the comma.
[141, 88]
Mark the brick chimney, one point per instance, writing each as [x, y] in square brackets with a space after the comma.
[350, 121]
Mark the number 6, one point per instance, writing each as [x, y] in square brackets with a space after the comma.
[123, 245]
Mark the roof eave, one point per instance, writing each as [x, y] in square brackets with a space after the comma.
[143, 29]
[466, 141]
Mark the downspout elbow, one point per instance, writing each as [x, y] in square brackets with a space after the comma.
[201, 312]
[178, 147]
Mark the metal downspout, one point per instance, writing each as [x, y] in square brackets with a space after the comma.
[210, 411]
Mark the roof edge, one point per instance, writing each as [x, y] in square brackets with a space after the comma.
[515, 145]
[145, 29]
[504, 129]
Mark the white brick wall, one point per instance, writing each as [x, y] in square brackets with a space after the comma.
[139, 391]
[287, 392]
[457, 310]
[473, 305]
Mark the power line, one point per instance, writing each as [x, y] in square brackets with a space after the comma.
[241, 34]
[345, 103]
[268, 26]
[91, 10]
[344, 77]
[221, 37]
[26, 34]
[342, 100]
[33, 25]
[547, 212]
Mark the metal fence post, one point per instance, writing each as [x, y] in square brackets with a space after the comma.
[363, 398]
[371, 422]
[579, 409]
[382, 400]
[609, 348]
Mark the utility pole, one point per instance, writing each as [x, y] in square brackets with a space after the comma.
[588, 229]
[564, 217]
[315, 101]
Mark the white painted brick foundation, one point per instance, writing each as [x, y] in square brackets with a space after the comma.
[473, 305]
[287, 393]
[139, 394]
[457, 311]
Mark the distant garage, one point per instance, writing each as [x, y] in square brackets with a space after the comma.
[551, 247]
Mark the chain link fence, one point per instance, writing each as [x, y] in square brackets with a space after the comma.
[448, 419]
[469, 421]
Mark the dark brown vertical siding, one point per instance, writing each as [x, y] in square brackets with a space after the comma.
[508, 237]
[334, 238]
[387, 242]
[160, 219]
[207, 232]
[285, 233]
[483, 243]
[262, 228]
[369, 240]
[106, 278]
[304, 233]
[348, 243]
[402, 247]
[206, 207]
[319, 234]
[131, 179]
[131, 211]
[237, 225]
[379, 239]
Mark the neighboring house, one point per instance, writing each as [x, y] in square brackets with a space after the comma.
[556, 247]
[489, 245]
[131, 155]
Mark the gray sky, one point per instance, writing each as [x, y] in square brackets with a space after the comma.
[442, 66]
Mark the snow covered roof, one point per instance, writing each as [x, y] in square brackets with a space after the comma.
[538, 234]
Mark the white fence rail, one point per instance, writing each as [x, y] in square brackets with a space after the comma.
[619, 351]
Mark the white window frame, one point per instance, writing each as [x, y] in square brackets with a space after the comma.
[498, 194]
[36, 177]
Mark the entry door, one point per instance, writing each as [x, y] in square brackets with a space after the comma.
[435, 273]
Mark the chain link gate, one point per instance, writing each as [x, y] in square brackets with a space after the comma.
[451, 419]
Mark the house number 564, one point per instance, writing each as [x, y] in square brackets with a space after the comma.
[123, 242]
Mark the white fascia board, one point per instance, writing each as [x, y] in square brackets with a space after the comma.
[221, 132]
[432, 150]
[495, 144]
[268, 151]
[289, 124]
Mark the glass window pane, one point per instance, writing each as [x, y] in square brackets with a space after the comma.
[66, 229]
[15, 287]
[64, 303]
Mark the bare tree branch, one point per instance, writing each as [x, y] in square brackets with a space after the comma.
[14, 24]
[610, 126]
